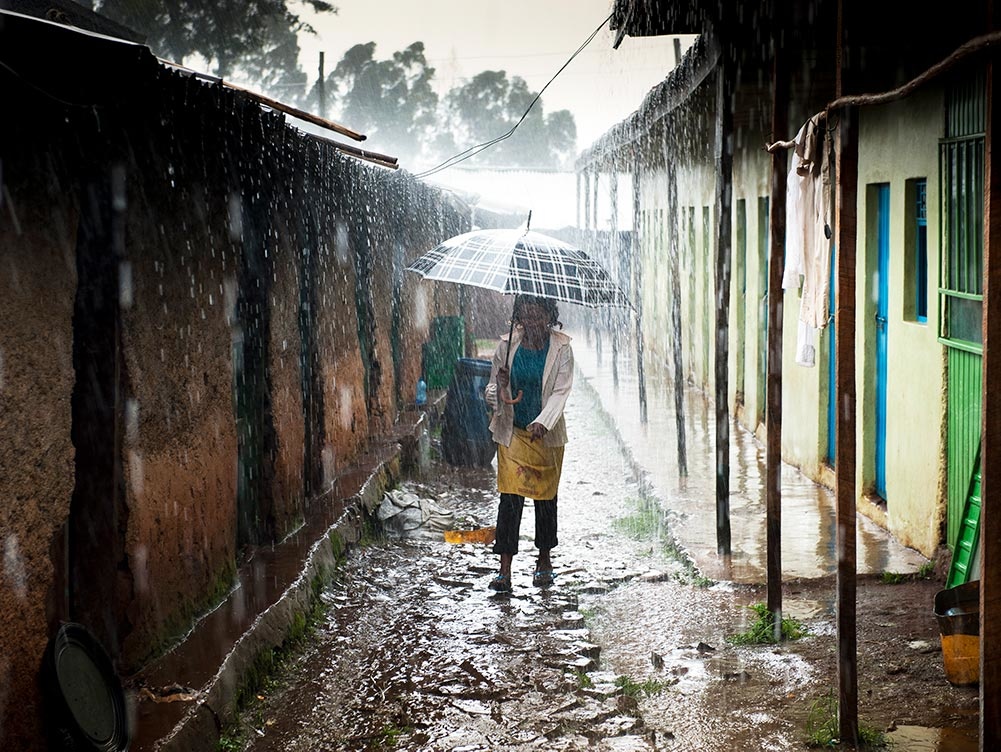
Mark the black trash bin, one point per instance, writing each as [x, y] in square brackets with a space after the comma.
[465, 432]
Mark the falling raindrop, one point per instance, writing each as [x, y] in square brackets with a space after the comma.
[13, 565]
[329, 466]
[125, 284]
[138, 567]
[342, 246]
[235, 217]
[132, 418]
[136, 478]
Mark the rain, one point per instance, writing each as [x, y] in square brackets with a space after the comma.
[583, 374]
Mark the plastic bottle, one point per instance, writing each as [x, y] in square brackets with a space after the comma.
[422, 393]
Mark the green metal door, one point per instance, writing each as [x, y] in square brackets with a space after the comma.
[961, 155]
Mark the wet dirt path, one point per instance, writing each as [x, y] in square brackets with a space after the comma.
[626, 652]
[415, 651]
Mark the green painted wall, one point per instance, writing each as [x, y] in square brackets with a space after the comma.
[898, 142]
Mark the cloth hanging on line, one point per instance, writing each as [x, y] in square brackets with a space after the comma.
[808, 232]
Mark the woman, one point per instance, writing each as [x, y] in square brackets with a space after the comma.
[529, 430]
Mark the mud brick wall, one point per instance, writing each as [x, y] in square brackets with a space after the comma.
[342, 358]
[38, 216]
[287, 243]
[204, 319]
[178, 325]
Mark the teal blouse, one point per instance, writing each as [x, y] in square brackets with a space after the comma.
[526, 376]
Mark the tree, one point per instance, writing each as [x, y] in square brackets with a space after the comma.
[490, 104]
[561, 131]
[252, 38]
[392, 101]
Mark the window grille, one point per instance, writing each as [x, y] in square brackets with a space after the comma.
[961, 170]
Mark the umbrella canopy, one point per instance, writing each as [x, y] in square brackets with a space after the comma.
[520, 262]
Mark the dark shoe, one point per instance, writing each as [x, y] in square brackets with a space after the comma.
[543, 578]
[501, 583]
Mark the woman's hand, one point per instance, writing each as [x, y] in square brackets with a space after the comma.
[537, 430]
[503, 385]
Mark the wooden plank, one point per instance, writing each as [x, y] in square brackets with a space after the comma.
[776, 265]
[725, 75]
[844, 488]
[990, 523]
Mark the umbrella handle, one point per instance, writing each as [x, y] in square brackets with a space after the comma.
[514, 401]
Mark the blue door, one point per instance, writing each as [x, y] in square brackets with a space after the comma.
[882, 308]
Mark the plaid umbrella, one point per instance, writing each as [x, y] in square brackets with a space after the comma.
[521, 262]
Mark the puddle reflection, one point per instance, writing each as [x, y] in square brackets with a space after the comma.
[808, 513]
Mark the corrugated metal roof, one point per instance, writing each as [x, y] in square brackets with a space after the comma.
[660, 101]
[91, 69]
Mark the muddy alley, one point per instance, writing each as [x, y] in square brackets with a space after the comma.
[632, 648]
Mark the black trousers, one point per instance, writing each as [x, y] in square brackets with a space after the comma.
[509, 524]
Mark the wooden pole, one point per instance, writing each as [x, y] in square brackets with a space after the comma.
[599, 315]
[844, 326]
[776, 265]
[846, 171]
[615, 265]
[990, 451]
[676, 342]
[321, 87]
[578, 201]
[637, 266]
[724, 222]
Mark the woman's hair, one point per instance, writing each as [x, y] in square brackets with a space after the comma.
[546, 304]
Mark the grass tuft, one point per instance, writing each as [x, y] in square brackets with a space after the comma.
[647, 523]
[634, 689]
[762, 631]
[822, 727]
[925, 572]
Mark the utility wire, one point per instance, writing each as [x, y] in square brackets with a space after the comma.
[472, 151]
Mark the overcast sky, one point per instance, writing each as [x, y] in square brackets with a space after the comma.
[527, 38]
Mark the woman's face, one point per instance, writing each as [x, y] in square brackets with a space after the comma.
[534, 316]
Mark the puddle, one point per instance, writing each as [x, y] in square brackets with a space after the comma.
[921, 739]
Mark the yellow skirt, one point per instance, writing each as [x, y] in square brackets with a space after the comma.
[529, 468]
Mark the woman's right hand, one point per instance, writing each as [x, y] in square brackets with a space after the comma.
[503, 378]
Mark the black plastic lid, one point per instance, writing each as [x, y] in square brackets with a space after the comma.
[84, 693]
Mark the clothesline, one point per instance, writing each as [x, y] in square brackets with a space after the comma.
[967, 49]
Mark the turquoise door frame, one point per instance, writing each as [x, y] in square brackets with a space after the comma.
[882, 312]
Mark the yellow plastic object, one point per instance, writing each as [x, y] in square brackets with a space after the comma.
[957, 610]
[961, 658]
[480, 535]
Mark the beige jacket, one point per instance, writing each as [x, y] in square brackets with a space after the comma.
[557, 379]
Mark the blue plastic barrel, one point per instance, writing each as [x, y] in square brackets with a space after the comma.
[465, 433]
